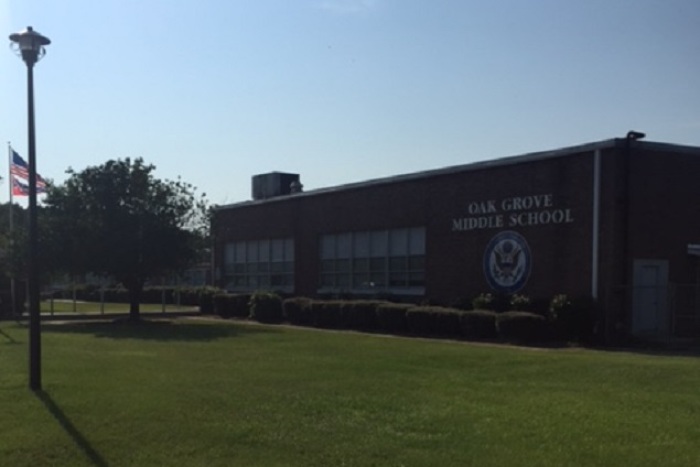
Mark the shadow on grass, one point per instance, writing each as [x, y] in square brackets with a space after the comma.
[8, 338]
[70, 429]
[160, 330]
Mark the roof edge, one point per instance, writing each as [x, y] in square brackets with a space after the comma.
[479, 165]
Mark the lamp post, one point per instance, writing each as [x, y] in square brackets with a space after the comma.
[30, 46]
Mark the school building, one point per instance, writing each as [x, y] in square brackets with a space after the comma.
[616, 220]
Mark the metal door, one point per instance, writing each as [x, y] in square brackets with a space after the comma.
[649, 304]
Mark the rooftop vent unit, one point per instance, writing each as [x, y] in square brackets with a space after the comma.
[274, 184]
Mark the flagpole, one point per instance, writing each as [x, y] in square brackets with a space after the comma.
[11, 216]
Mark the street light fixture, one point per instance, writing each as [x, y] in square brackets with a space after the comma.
[30, 46]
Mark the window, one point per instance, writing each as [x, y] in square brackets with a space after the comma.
[389, 260]
[260, 264]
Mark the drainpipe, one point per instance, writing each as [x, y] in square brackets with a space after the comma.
[627, 250]
[595, 260]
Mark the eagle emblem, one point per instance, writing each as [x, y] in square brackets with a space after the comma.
[507, 262]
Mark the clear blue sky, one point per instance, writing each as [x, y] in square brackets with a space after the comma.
[342, 91]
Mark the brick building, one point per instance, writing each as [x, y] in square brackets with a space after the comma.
[615, 220]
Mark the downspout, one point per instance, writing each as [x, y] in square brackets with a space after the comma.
[627, 264]
[595, 234]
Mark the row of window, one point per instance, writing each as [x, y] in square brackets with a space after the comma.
[260, 264]
[377, 260]
[392, 260]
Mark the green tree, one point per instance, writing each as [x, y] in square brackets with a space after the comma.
[119, 221]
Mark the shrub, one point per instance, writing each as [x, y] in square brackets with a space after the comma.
[266, 307]
[432, 320]
[483, 301]
[231, 305]
[522, 327]
[462, 303]
[573, 318]
[360, 315]
[205, 299]
[478, 324]
[520, 302]
[446, 322]
[391, 317]
[297, 310]
[327, 314]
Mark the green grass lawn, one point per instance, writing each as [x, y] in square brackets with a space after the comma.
[190, 393]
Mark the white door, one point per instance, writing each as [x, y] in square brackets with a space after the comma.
[649, 304]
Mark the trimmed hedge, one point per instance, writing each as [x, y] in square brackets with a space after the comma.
[391, 317]
[360, 315]
[523, 327]
[231, 305]
[266, 307]
[297, 311]
[327, 314]
[478, 324]
[433, 321]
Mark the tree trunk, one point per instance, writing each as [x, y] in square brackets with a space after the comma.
[135, 288]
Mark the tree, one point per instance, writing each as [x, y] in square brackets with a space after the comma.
[119, 221]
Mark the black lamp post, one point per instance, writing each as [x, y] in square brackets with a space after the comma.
[30, 46]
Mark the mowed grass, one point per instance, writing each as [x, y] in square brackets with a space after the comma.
[195, 392]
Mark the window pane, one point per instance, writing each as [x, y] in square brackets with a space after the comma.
[328, 247]
[361, 280]
[398, 242]
[328, 265]
[252, 281]
[398, 279]
[360, 245]
[344, 281]
[416, 263]
[377, 264]
[360, 264]
[343, 265]
[277, 246]
[276, 280]
[327, 280]
[378, 279]
[289, 249]
[378, 243]
[252, 251]
[398, 264]
[240, 252]
[416, 241]
[416, 279]
[229, 253]
[264, 250]
[344, 245]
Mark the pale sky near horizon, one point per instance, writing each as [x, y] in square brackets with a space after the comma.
[341, 91]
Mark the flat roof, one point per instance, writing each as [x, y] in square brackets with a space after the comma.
[479, 165]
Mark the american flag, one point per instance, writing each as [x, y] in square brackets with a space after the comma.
[19, 188]
[19, 168]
